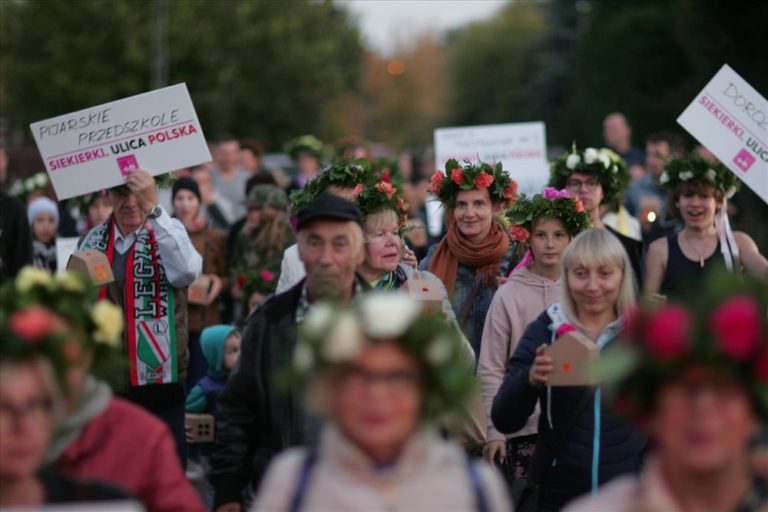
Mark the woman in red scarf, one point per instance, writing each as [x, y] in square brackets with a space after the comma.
[476, 248]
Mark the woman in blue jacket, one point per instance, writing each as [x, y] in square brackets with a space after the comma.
[598, 292]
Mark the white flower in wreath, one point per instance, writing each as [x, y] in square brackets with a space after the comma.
[730, 192]
[572, 161]
[29, 184]
[388, 315]
[109, 323]
[344, 341]
[664, 178]
[17, 188]
[303, 359]
[606, 162]
[30, 277]
[590, 155]
[319, 318]
[41, 179]
[686, 175]
[711, 175]
[439, 351]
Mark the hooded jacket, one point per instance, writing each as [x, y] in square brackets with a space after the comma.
[517, 303]
[599, 447]
[205, 394]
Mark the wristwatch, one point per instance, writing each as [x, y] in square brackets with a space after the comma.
[155, 212]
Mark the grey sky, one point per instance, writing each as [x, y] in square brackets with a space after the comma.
[387, 25]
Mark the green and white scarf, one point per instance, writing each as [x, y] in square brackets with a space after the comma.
[148, 305]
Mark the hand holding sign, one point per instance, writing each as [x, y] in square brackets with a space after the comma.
[142, 184]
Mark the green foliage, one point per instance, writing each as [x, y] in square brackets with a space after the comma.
[264, 69]
[694, 168]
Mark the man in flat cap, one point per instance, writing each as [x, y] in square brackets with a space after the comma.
[257, 421]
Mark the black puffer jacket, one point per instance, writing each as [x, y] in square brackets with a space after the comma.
[619, 448]
[256, 419]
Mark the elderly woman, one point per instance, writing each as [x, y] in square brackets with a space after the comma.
[693, 376]
[476, 251]
[95, 435]
[545, 224]
[382, 372]
[580, 445]
[698, 190]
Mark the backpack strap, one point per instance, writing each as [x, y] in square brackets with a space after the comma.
[302, 484]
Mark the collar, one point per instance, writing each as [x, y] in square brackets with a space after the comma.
[304, 306]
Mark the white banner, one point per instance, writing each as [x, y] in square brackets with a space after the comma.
[730, 118]
[520, 147]
[95, 148]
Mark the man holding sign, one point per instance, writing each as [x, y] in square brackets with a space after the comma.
[153, 261]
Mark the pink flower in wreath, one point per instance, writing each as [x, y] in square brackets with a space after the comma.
[668, 332]
[519, 233]
[32, 324]
[563, 194]
[401, 204]
[386, 188]
[579, 205]
[483, 180]
[357, 190]
[550, 193]
[267, 276]
[437, 183]
[457, 175]
[737, 326]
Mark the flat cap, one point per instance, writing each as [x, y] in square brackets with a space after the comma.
[328, 206]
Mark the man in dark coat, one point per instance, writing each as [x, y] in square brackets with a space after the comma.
[257, 419]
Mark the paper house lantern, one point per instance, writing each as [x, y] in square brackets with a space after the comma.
[92, 263]
[427, 293]
[574, 356]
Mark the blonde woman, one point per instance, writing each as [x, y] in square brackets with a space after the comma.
[580, 445]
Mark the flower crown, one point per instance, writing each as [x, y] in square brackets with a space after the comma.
[723, 326]
[603, 163]
[376, 197]
[308, 143]
[339, 173]
[53, 317]
[550, 203]
[23, 187]
[693, 168]
[333, 335]
[447, 185]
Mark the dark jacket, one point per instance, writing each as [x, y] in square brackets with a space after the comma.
[15, 237]
[257, 420]
[618, 447]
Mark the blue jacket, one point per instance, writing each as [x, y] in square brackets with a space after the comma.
[599, 447]
[205, 394]
[473, 324]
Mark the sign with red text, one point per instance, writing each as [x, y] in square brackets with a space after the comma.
[96, 148]
[730, 118]
[520, 147]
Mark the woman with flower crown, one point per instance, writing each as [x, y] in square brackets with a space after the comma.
[384, 374]
[476, 249]
[544, 224]
[580, 445]
[597, 177]
[693, 375]
[698, 190]
[94, 435]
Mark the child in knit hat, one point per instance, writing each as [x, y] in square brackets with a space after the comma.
[43, 215]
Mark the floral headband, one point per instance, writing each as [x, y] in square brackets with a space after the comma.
[53, 317]
[333, 335]
[603, 163]
[693, 168]
[339, 173]
[22, 188]
[306, 143]
[447, 185]
[550, 203]
[723, 326]
[376, 197]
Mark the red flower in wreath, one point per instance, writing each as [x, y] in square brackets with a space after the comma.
[437, 183]
[668, 331]
[401, 204]
[357, 190]
[457, 175]
[267, 276]
[241, 280]
[32, 324]
[511, 191]
[386, 188]
[483, 180]
[519, 233]
[736, 324]
[579, 205]
[564, 329]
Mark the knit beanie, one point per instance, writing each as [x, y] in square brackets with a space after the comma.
[42, 205]
[185, 183]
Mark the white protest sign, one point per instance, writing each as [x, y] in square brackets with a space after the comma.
[95, 148]
[520, 147]
[65, 246]
[730, 118]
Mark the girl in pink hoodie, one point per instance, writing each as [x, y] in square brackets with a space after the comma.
[555, 218]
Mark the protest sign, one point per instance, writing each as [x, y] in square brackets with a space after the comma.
[520, 147]
[730, 118]
[95, 148]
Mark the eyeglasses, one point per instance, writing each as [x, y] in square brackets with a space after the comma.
[358, 379]
[36, 409]
[574, 184]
